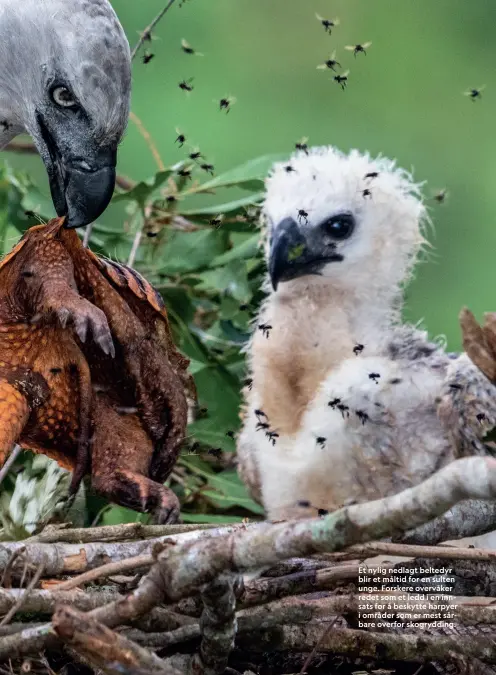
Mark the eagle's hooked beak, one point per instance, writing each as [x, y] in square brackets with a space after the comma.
[87, 191]
[81, 187]
[293, 255]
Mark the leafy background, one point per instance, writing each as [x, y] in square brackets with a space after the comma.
[404, 99]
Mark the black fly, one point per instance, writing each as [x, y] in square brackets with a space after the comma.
[265, 328]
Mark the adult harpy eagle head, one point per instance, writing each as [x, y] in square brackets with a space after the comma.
[65, 78]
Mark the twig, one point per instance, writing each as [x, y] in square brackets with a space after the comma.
[87, 235]
[146, 34]
[317, 645]
[132, 564]
[112, 533]
[218, 626]
[135, 247]
[148, 139]
[78, 558]
[467, 519]
[32, 640]
[22, 599]
[43, 601]
[5, 581]
[125, 564]
[11, 459]
[185, 567]
[413, 551]
[260, 591]
[102, 647]
[389, 647]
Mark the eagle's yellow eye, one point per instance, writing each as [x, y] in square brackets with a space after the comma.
[63, 97]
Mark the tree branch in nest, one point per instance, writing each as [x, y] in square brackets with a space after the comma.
[184, 568]
[104, 648]
[416, 648]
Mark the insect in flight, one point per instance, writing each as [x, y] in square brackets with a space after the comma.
[328, 24]
[195, 154]
[342, 79]
[147, 57]
[186, 85]
[440, 196]
[188, 49]
[358, 48]
[209, 168]
[226, 102]
[331, 63]
[475, 93]
[181, 138]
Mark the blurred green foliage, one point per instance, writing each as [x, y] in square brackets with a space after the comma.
[200, 242]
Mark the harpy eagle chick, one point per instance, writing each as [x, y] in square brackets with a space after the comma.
[346, 402]
[65, 79]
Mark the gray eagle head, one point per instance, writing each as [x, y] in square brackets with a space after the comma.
[65, 78]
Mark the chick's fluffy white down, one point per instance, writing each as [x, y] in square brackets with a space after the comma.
[351, 424]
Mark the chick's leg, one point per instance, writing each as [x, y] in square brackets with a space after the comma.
[14, 413]
[121, 456]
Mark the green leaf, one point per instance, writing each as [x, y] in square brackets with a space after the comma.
[228, 207]
[195, 366]
[119, 514]
[189, 251]
[228, 491]
[248, 249]
[35, 200]
[233, 334]
[142, 191]
[203, 432]
[232, 279]
[248, 176]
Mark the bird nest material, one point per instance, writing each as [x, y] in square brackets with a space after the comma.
[170, 599]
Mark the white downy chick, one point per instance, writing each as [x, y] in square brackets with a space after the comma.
[346, 402]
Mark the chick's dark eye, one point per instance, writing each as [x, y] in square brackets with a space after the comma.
[340, 226]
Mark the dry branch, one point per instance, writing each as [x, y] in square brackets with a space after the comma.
[413, 551]
[467, 519]
[416, 648]
[65, 558]
[147, 33]
[23, 597]
[111, 533]
[186, 567]
[186, 563]
[264, 590]
[104, 648]
[217, 625]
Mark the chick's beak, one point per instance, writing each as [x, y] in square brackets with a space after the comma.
[287, 246]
